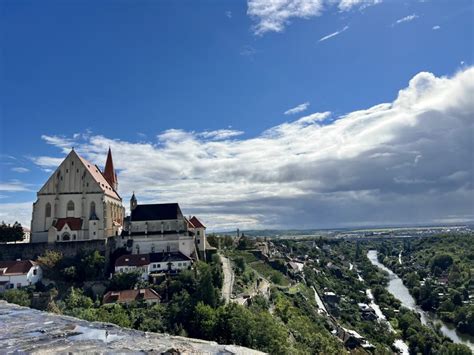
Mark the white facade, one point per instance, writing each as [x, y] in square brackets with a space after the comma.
[154, 267]
[17, 280]
[77, 189]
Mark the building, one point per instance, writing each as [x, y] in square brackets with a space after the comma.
[147, 295]
[20, 273]
[158, 228]
[196, 228]
[78, 202]
[153, 263]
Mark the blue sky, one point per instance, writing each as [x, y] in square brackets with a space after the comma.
[149, 77]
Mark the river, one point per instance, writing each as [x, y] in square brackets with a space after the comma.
[400, 291]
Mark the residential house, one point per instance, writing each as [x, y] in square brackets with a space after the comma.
[147, 295]
[19, 273]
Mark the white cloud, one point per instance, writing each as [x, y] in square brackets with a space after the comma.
[228, 13]
[14, 186]
[435, 28]
[333, 34]
[20, 169]
[221, 134]
[406, 161]
[300, 108]
[16, 212]
[275, 15]
[408, 18]
[346, 5]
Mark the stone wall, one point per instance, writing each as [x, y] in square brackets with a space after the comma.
[31, 251]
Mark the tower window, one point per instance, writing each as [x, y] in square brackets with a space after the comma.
[47, 211]
[70, 206]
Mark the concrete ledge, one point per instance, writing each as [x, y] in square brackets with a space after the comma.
[36, 332]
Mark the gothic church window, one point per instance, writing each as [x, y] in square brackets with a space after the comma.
[70, 206]
[92, 212]
[48, 210]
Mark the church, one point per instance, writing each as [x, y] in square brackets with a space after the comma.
[78, 202]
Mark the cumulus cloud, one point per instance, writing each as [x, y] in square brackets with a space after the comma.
[408, 18]
[221, 134]
[435, 28]
[331, 35]
[300, 108]
[400, 162]
[275, 15]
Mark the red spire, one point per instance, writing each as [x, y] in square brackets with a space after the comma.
[109, 172]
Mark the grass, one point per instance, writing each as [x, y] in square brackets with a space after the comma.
[270, 273]
[247, 256]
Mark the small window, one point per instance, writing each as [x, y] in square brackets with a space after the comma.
[72, 163]
[57, 237]
[61, 178]
[199, 241]
[77, 170]
[48, 210]
[35, 272]
[74, 237]
[70, 206]
[94, 232]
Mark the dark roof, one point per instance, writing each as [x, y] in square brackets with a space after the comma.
[168, 257]
[133, 260]
[154, 212]
[131, 295]
[73, 223]
[196, 222]
[16, 267]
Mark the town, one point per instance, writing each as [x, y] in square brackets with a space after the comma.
[158, 270]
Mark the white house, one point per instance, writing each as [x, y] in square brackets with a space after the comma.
[157, 228]
[20, 273]
[78, 202]
[154, 263]
[198, 229]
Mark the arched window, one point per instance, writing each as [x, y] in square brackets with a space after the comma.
[47, 211]
[92, 212]
[70, 206]
[66, 237]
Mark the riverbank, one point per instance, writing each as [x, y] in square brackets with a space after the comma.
[401, 292]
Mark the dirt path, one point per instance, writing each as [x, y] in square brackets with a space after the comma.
[228, 278]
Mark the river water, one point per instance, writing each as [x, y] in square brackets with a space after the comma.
[400, 291]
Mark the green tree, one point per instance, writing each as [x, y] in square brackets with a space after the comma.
[124, 281]
[11, 233]
[17, 296]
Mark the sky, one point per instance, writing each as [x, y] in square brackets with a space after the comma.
[250, 114]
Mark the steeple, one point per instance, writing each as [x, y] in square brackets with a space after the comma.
[133, 202]
[109, 171]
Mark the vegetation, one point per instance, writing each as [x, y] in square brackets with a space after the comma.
[11, 233]
[438, 272]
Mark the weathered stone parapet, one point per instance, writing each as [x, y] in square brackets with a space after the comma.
[26, 330]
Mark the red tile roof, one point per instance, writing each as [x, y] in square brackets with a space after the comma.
[16, 267]
[109, 171]
[99, 178]
[146, 294]
[133, 260]
[196, 222]
[74, 224]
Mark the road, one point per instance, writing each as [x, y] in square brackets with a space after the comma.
[228, 278]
